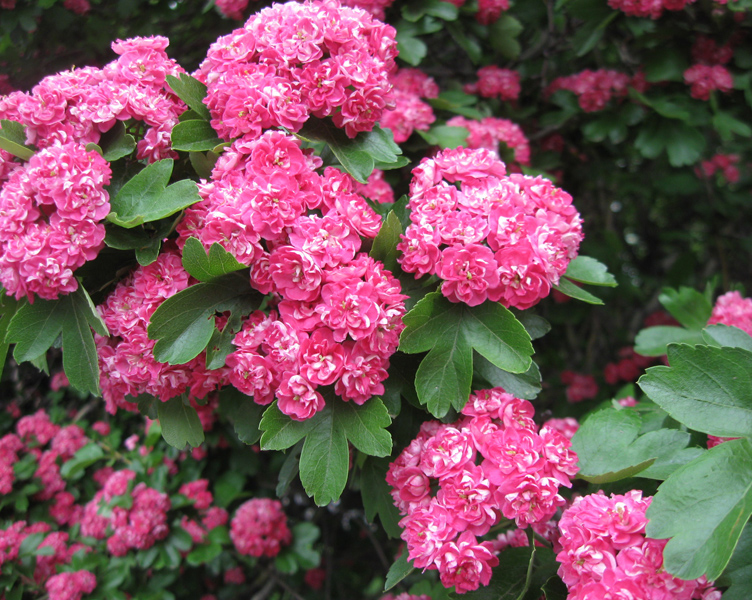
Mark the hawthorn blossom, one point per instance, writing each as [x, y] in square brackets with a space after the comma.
[507, 238]
[454, 481]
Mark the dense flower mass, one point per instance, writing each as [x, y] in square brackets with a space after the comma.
[490, 132]
[51, 212]
[498, 237]
[493, 462]
[725, 164]
[126, 359]
[410, 112]
[704, 79]
[495, 82]
[338, 313]
[594, 89]
[733, 310]
[605, 554]
[259, 528]
[290, 61]
[648, 8]
[52, 207]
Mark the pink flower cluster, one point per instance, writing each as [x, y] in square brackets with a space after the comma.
[127, 365]
[376, 8]
[497, 237]
[495, 82]
[82, 104]
[733, 310]
[704, 79]
[259, 528]
[51, 212]
[338, 312]
[51, 446]
[489, 132]
[628, 368]
[376, 189]
[410, 112]
[579, 386]
[293, 60]
[605, 554]
[232, 9]
[648, 8]
[723, 163]
[52, 207]
[71, 585]
[493, 462]
[138, 527]
[210, 516]
[706, 51]
[594, 89]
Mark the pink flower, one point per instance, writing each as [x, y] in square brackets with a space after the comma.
[259, 528]
[298, 398]
[465, 565]
[704, 79]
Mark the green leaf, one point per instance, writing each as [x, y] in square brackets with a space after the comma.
[417, 10]
[726, 126]
[180, 423]
[116, 143]
[377, 499]
[146, 198]
[703, 508]
[385, 245]
[723, 335]
[666, 64]
[589, 35]
[691, 308]
[445, 136]
[194, 135]
[512, 579]
[468, 43]
[243, 412]
[738, 574]
[503, 35]
[13, 139]
[207, 267]
[325, 458]
[203, 554]
[290, 470]
[568, 288]
[365, 425]
[684, 144]
[400, 569]
[650, 140]
[80, 360]
[535, 325]
[191, 91]
[304, 535]
[83, 458]
[449, 332]
[203, 163]
[706, 388]
[8, 308]
[588, 270]
[35, 327]
[654, 340]
[411, 49]
[525, 385]
[357, 155]
[280, 431]
[609, 449]
[183, 324]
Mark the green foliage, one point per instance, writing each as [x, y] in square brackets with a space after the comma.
[450, 332]
[324, 458]
[703, 507]
[35, 328]
[359, 155]
[146, 197]
[180, 423]
[608, 447]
